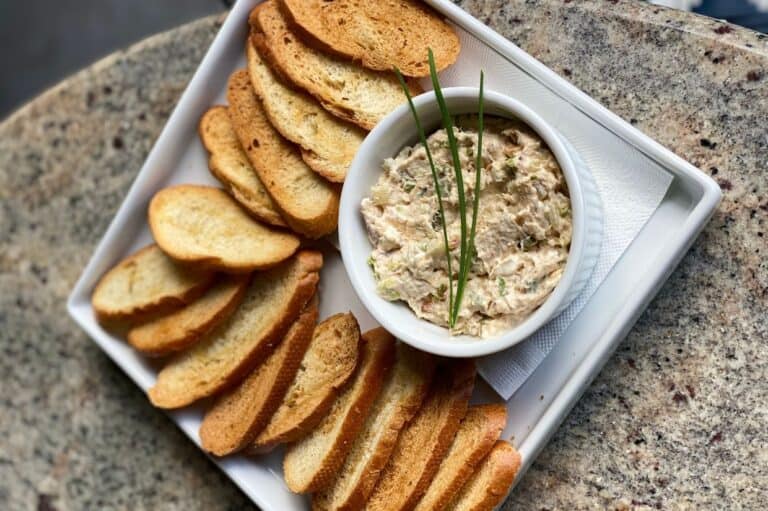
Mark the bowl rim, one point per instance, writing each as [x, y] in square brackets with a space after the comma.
[349, 214]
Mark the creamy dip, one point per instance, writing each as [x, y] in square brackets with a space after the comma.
[523, 228]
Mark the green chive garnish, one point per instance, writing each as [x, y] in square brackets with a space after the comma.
[466, 265]
[436, 180]
[467, 245]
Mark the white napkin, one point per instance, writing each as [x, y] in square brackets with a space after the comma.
[631, 187]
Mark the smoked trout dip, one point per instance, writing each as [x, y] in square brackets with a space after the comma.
[523, 227]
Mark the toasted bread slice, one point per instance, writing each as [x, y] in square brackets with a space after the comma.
[314, 461]
[327, 143]
[346, 89]
[230, 165]
[184, 327]
[477, 434]
[146, 282]
[396, 404]
[309, 203]
[238, 415]
[271, 304]
[425, 439]
[327, 365]
[491, 481]
[204, 225]
[379, 34]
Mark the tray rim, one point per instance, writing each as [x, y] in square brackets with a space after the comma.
[703, 192]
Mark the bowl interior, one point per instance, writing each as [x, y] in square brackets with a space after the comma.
[393, 133]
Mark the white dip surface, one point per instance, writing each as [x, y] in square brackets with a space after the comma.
[523, 230]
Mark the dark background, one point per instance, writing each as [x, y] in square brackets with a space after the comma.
[740, 12]
[43, 41]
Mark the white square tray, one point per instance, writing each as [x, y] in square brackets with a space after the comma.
[541, 404]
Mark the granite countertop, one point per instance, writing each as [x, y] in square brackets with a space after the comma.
[677, 419]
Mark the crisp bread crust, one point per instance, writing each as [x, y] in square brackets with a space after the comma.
[356, 493]
[270, 155]
[238, 415]
[504, 463]
[403, 44]
[287, 54]
[261, 207]
[293, 431]
[459, 466]
[165, 335]
[378, 356]
[202, 279]
[329, 148]
[425, 440]
[163, 396]
[259, 40]
[280, 243]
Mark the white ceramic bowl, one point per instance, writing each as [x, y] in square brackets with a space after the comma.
[396, 131]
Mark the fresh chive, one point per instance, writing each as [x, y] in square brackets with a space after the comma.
[467, 250]
[466, 264]
[454, 148]
[423, 138]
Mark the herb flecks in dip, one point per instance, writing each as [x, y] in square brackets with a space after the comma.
[523, 229]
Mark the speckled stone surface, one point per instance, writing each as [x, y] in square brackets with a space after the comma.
[677, 419]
